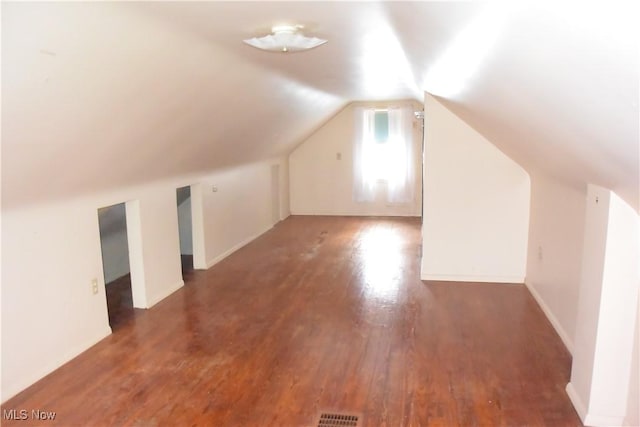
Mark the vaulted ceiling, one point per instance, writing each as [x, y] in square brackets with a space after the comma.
[101, 95]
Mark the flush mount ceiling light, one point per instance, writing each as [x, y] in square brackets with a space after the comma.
[285, 38]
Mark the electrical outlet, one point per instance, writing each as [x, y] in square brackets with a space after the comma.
[539, 253]
[338, 156]
[214, 189]
[94, 286]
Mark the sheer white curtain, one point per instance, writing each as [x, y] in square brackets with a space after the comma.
[401, 176]
[391, 162]
[364, 180]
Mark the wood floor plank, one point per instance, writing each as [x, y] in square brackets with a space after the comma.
[320, 314]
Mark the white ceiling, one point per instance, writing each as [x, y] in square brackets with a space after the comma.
[101, 95]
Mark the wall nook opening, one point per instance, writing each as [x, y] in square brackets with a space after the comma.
[275, 194]
[185, 229]
[115, 261]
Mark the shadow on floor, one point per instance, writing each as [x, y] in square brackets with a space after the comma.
[120, 302]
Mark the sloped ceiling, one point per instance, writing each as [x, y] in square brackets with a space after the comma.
[102, 95]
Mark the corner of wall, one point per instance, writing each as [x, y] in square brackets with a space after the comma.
[588, 418]
[153, 300]
[235, 247]
[554, 251]
[577, 402]
[564, 336]
[606, 319]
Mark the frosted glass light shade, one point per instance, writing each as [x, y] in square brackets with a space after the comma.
[285, 38]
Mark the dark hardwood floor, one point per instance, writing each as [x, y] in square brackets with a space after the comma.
[120, 298]
[320, 314]
[120, 302]
[186, 262]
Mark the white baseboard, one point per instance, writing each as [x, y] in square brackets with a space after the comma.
[363, 214]
[483, 279]
[234, 248]
[579, 406]
[12, 389]
[590, 419]
[157, 298]
[602, 420]
[568, 342]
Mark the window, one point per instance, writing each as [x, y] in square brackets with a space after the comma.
[383, 153]
[377, 166]
[381, 124]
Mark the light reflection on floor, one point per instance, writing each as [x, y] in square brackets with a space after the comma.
[381, 257]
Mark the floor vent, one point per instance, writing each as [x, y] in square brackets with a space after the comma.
[338, 420]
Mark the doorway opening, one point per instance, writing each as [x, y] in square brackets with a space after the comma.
[275, 193]
[185, 230]
[114, 244]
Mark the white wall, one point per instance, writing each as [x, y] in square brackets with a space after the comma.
[49, 314]
[285, 202]
[476, 204]
[607, 310]
[50, 255]
[238, 211]
[160, 243]
[556, 230]
[632, 418]
[322, 185]
[565, 269]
